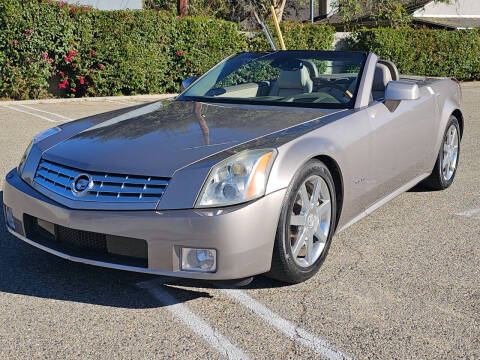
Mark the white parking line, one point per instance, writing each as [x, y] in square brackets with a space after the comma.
[301, 336]
[123, 102]
[470, 213]
[32, 114]
[197, 325]
[46, 112]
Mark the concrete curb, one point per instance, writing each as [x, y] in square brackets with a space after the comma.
[153, 97]
[470, 84]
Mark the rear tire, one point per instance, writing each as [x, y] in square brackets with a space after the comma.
[306, 225]
[447, 160]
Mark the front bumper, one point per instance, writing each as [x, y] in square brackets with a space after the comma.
[243, 235]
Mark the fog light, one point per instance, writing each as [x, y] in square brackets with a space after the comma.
[9, 216]
[204, 260]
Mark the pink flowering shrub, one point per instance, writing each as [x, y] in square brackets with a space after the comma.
[33, 41]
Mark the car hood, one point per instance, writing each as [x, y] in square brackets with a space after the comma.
[159, 138]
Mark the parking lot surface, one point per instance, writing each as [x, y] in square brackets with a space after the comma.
[402, 283]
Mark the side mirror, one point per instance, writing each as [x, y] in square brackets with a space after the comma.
[401, 90]
[188, 81]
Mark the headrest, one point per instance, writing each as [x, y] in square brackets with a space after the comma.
[381, 78]
[293, 79]
[311, 67]
[393, 69]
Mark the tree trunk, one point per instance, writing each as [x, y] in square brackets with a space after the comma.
[182, 7]
[279, 6]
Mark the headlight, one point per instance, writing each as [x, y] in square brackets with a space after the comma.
[45, 134]
[23, 160]
[35, 140]
[240, 178]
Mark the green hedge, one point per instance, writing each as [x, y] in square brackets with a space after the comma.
[424, 51]
[49, 48]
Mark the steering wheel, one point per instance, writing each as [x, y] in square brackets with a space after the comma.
[336, 87]
[311, 98]
[345, 94]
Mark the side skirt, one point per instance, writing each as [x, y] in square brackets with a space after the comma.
[386, 199]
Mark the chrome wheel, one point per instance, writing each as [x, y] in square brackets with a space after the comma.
[450, 153]
[309, 223]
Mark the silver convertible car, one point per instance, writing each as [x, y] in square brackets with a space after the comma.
[250, 170]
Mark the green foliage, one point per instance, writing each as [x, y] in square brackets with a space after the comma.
[162, 5]
[50, 48]
[424, 51]
[393, 12]
[297, 37]
[221, 9]
[349, 9]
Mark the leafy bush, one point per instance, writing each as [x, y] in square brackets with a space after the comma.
[424, 51]
[221, 9]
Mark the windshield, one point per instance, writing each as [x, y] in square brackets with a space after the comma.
[327, 79]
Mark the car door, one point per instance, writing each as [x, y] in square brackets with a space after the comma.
[415, 128]
[401, 143]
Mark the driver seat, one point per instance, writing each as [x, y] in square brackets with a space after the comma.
[291, 83]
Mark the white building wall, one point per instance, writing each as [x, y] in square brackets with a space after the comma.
[109, 4]
[326, 6]
[457, 8]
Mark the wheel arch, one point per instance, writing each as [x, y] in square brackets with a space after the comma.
[449, 108]
[458, 114]
[336, 172]
[294, 156]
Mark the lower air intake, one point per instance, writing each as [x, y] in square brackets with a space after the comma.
[87, 245]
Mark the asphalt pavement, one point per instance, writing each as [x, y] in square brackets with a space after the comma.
[403, 283]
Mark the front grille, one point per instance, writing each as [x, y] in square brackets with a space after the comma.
[86, 244]
[106, 187]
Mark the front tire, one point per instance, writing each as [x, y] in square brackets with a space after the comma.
[306, 225]
[447, 160]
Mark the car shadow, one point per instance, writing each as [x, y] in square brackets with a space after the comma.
[26, 270]
[420, 188]
[258, 282]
